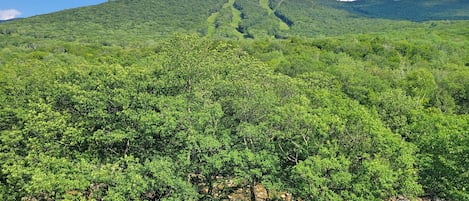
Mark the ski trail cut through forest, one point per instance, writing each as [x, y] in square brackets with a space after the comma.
[265, 5]
[277, 6]
[235, 20]
[283, 25]
[211, 24]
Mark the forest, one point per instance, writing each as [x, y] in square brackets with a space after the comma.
[233, 100]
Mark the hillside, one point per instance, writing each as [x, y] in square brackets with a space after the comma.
[235, 19]
[117, 20]
[417, 10]
[146, 19]
[233, 100]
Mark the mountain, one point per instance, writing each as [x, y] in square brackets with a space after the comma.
[1, 21]
[219, 18]
[145, 18]
[418, 10]
[234, 18]
[236, 100]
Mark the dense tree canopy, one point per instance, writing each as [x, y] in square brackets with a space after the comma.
[246, 108]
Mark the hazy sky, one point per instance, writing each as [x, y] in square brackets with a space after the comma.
[10, 9]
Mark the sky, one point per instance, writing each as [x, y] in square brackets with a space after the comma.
[10, 9]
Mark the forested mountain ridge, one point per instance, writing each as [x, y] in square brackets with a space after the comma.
[146, 19]
[235, 19]
[232, 100]
[113, 20]
[418, 10]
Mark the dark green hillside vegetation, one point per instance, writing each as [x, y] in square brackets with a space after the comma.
[318, 18]
[413, 10]
[239, 105]
[123, 22]
[119, 20]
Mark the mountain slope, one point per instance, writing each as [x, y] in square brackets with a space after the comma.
[313, 18]
[120, 20]
[127, 20]
[416, 10]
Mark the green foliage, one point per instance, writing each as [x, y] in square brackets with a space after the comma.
[443, 153]
[113, 23]
[409, 10]
[420, 84]
[324, 178]
[106, 108]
